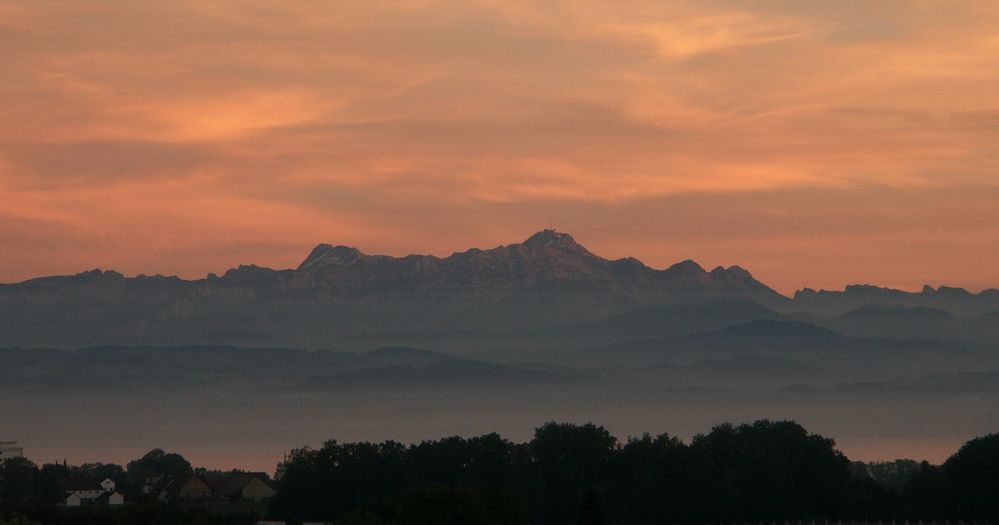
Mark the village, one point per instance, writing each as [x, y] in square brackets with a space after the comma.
[173, 481]
[219, 489]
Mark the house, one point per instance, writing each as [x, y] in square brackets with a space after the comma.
[73, 500]
[254, 487]
[9, 449]
[192, 488]
[112, 499]
[108, 485]
[83, 491]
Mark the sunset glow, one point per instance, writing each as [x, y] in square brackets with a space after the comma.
[814, 143]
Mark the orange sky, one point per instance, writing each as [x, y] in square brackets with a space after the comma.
[815, 143]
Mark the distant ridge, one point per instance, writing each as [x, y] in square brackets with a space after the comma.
[547, 260]
[340, 293]
[956, 301]
[549, 285]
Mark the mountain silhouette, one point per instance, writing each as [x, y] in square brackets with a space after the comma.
[339, 294]
[549, 289]
[546, 261]
[957, 301]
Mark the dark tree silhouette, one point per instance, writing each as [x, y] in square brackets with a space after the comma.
[970, 480]
[18, 485]
[591, 512]
[651, 479]
[570, 460]
[769, 470]
[156, 462]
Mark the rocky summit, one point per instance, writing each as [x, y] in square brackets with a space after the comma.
[547, 261]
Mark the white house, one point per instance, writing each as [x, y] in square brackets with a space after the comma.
[85, 492]
[108, 485]
[81, 491]
[9, 449]
[111, 498]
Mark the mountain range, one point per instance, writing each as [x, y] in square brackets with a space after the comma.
[546, 288]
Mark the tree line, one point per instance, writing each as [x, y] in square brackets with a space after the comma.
[760, 472]
[765, 471]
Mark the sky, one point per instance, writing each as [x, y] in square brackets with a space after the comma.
[814, 143]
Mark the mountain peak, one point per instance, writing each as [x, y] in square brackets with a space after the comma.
[329, 255]
[687, 266]
[550, 237]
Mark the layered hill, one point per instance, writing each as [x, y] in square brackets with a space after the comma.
[774, 347]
